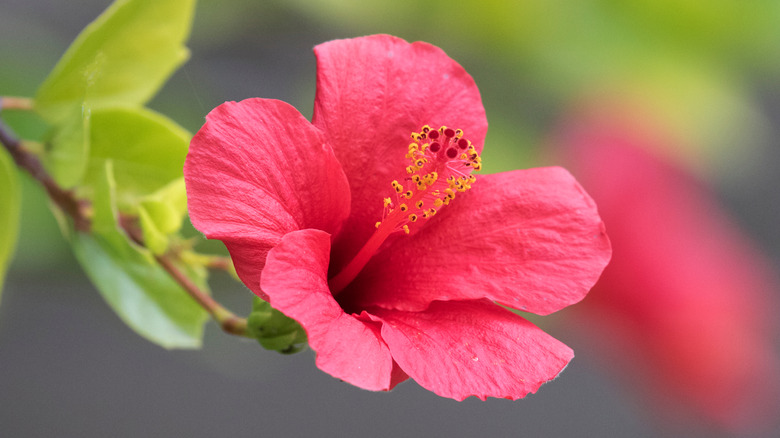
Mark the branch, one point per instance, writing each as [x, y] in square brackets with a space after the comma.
[29, 162]
[228, 321]
[16, 103]
[74, 208]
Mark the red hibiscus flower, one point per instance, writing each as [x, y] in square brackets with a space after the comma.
[686, 305]
[367, 226]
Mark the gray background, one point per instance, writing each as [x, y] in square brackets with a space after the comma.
[69, 367]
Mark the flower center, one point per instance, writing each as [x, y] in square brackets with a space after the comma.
[440, 166]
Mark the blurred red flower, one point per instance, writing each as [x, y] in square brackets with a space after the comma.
[686, 305]
[344, 226]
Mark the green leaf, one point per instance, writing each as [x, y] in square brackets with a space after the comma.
[141, 292]
[120, 59]
[10, 200]
[147, 150]
[274, 330]
[66, 159]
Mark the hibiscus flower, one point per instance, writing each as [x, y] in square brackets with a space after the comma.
[686, 306]
[368, 227]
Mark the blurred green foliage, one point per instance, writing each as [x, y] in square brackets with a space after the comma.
[690, 63]
[9, 213]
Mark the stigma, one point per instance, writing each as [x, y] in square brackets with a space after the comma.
[440, 163]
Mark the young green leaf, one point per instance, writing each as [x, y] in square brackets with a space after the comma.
[147, 150]
[154, 239]
[120, 59]
[167, 206]
[274, 330]
[161, 214]
[10, 200]
[66, 159]
[144, 296]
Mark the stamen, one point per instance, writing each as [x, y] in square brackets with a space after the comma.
[440, 165]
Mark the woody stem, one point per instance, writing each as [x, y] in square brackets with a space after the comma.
[229, 322]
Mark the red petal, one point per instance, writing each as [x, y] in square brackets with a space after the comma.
[372, 93]
[258, 170]
[348, 347]
[529, 239]
[462, 348]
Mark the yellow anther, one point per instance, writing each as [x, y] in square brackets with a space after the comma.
[431, 178]
[377, 224]
[451, 150]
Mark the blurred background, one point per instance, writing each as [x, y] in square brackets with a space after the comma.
[674, 103]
